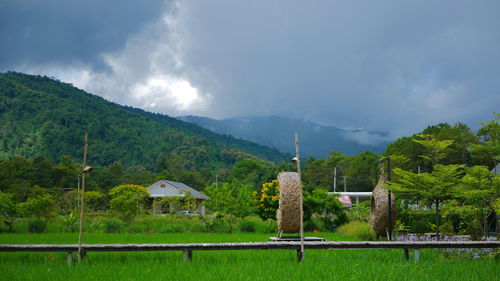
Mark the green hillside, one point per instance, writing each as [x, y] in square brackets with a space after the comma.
[43, 117]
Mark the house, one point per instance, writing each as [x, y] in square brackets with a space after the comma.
[166, 188]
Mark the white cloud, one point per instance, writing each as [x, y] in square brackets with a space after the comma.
[160, 90]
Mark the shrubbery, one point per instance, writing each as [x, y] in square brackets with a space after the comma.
[113, 226]
[36, 225]
[358, 229]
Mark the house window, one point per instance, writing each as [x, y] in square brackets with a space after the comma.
[162, 185]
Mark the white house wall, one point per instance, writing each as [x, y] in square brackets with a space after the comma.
[157, 191]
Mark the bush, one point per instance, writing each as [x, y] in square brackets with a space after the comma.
[112, 225]
[358, 229]
[137, 228]
[70, 222]
[36, 226]
[217, 223]
[421, 226]
[447, 228]
[311, 225]
[247, 226]
[474, 229]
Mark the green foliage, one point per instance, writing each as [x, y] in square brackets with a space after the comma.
[113, 225]
[235, 200]
[42, 207]
[361, 230]
[359, 212]
[434, 149]
[421, 226]
[487, 152]
[436, 187]
[426, 148]
[447, 228]
[8, 209]
[320, 202]
[128, 200]
[36, 225]
[474, 229]
[247, 226]
[70, 222]
[357, 170]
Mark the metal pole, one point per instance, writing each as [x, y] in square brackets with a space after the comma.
[389, 196]
[345, 189]
[335, 179]
[82, 198]
[301, 255]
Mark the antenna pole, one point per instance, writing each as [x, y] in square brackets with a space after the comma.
[82, 198]
[301, 255]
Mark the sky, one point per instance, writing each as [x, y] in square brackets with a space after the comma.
[386, 66]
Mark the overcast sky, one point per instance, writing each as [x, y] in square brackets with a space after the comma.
[387, 65]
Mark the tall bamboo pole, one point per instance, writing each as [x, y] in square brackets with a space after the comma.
[82, 197]
[301, 255]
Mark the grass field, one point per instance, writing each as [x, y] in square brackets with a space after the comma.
[231, 265]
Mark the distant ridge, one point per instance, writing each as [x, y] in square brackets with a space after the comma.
[40, 116]
[274, 131]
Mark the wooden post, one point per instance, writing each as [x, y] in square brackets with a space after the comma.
[406, 253]
[300, 256]
[416, 256]
[69, 257]
[82, 198]
[187, 255]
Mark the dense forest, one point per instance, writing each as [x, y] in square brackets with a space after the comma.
[43, 117]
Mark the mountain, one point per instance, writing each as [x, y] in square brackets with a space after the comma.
[40, 116]
[278, 132]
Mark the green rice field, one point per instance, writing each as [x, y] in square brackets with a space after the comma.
[231, 265]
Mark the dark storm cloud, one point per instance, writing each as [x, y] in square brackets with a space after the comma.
[55, 31]
[388, 65]
[392, 66]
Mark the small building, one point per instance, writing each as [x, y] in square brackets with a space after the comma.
[166, 188]
[358, 196]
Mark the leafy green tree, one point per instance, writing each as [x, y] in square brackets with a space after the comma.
[326, 205]
[479, 190]
[248, 171]
[66, 173]
[436, 187]
[8, 209]
[42, 207]
[235, 200]
[360, 171]
[462, 136]
[434, 149]
[487, 152]
[128, 200]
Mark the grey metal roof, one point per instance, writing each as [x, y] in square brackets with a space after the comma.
[192, 191]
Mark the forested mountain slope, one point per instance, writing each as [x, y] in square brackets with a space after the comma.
[43, 117]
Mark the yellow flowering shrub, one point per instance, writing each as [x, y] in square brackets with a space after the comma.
[267, 200]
